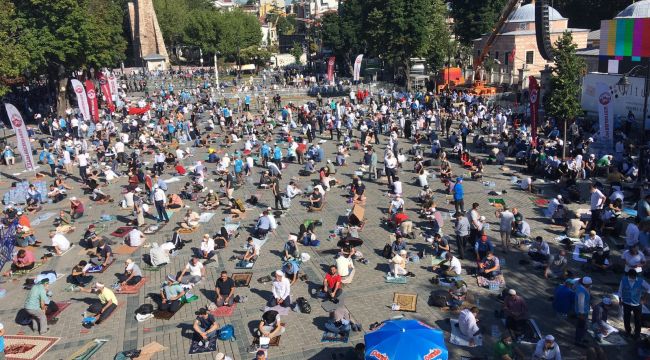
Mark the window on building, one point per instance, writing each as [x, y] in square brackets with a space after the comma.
[523, 26]
[506, 58]
[529, 57]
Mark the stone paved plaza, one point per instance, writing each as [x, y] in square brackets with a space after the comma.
[368, 298]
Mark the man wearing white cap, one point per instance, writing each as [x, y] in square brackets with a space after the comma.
[132, 274]
[547, 349]
[582, 307]
[599, 319]
[516, 312]
[281, 290]
[291, 248]
[107, 302]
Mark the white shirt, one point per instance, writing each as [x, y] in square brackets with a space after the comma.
[524, 183]
[467, 323]
[119, 147]
[159, 195]
[595, 242]
[343, 265]
[506, 220]
[61, 242]
[207, 246]
[195, 270]
[631, 234]
[633, 261]
[597, 199]
[546, 354]
[83, 159]
[282, 288]
[454, 265]
[397, 203]
[397, 187]
[135, 237]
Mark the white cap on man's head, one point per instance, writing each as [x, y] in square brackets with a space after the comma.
[220, 356]
[587, 280]
[279, 273]
[549, 338]
[512, 292]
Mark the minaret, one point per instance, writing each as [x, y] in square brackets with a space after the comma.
[146, 35]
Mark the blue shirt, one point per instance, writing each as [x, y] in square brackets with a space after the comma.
[458, 191]
[2, 344]
[266, 150]
[277, 153]
[238, 165]
[484, 247]
[563, 299]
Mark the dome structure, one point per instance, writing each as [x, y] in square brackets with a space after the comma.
[638, 10]
[526, 13]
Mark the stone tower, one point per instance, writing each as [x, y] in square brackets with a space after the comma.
[145, 33]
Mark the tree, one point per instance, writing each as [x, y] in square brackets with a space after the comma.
[474, 18]
[566, 74]
[296, 52]
[237, 30]
[255, 55]
[286, 25]
[14, 59]
[441, 45]
[344, 32]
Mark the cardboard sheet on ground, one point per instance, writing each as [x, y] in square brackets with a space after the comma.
[205, 217]
[457, 338]
[406, 302]
[149, 350]
[242, 279]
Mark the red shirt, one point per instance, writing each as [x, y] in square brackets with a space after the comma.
[180, 169]
[332, 280]
[400, 218]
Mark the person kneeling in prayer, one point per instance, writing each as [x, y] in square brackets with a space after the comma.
[106, 305]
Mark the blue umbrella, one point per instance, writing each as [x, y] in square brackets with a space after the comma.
[405, 340]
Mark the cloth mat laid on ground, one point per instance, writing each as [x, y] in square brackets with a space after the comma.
[260, 242]
[26, 272]
[62, 306]
[497, 202]
[153, 268]
[249, 265]
[275, 341]
[172, 179]
[99, 269]
[124, 249]
[41, 218]
[205, 217]
[457, 338]
[242, 279]
[282, 311]
[577, 255]
[88, 349]
[628, 211]
[166, 315]
[122, 231]
[203, 346]
[149, 350]
[333, 337]
[329, 306]
[224, 311]
[395, 279]
[132, 289]
[21, 347]
[613, 339]
[498, 280]
[152, 229]
[65, 252]
[406, 302]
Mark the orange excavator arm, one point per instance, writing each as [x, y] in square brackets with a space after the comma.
[497, 29]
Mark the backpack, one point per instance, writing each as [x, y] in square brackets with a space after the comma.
[438, 298]
[227, 333]
[304, 306]
[387, 252]
[144, 309]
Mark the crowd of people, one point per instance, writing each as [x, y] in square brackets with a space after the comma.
[219, 147]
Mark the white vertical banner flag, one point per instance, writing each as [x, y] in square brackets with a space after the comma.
[112, 84]
[605, 113]
[22, 137]
[82, 99]
[357, 67]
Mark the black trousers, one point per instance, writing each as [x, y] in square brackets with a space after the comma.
[134, 280]
[97, 307]
[171, 306]
[628, 310]
[461, 242]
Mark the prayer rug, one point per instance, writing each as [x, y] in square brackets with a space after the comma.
[224, 311]
[205, 217]
[122, 231]
[498, 282]
[203, 346]
[246, 266]
[132, 289]
[152, 229]
[166, 315]
[396, 279]
[406, 302]
[329, 336]
[21, 347]
[26, 272]
[242, 279]
[88, 349]
[99, 268]
[62, 306]
[124, 249]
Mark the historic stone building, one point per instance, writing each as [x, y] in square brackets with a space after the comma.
[146, 37]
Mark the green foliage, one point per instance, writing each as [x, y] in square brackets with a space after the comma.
[14, 59]
[474, 18]
[173, 18]
[255, 55]
[564, 100]
[296, 52]
[236, 30]
[287, 25]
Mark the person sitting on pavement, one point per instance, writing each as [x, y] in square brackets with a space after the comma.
[556, 268]
[104, 254]
[440, 246]
[59, 242]
[575, 227]
[291, 270]
[345, 268]
[515, 311]
[489, 267]
[24, 260]
[135, 238]
[505, 350]
[91, 239]
[196, 272]
[482, 247]
[251, 254]
[206, 251]
[398, 245]
[599, 317]
[555, 209]
[281, 291]
[339, 322]
[107, 302]
[191, 220]
[211, 201]
[237, 208]
[398, 265]
[171, 294]
[291, 248]
[468, 324]
[225, 290]
[132, 274]
[592, 241]
[205, 326]
[315, 200]
[450, 267]
[79, 275]
[539, 251]
[270, 325]
[599, 260]
[547, 349]
[331, 289]
[457, 294]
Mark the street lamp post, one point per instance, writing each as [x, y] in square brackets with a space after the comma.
[624, 83]
[216, 69]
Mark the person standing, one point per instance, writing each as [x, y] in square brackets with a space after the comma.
[475, 225]
[582, 306]
[597, 202]
[36, 304]
[462, 230]
[630, 290]
[459, 195]
[507, 218]
[82, 158]
[277, 195]
[160, 199]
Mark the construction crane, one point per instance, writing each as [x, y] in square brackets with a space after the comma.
[479, 83]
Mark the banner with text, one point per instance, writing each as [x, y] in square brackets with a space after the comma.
[22, 137]
[106, 91]
[330, 68]
[605, 113]
[357, 67]
[533, 88]
[82, 100]
[92, 101]
[112, 84]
